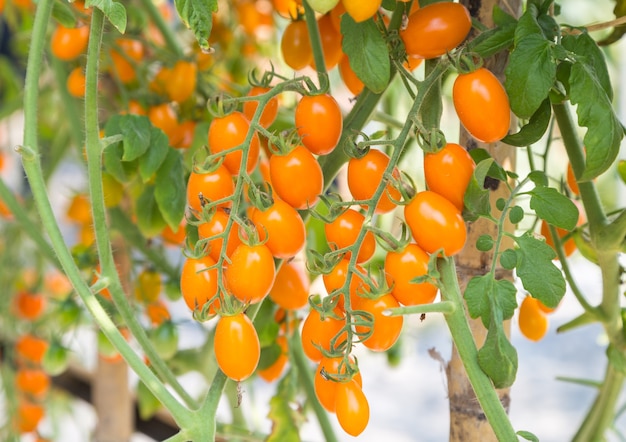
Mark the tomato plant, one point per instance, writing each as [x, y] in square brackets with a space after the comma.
[250, 274]
[448, 172]
[281, 227]
[313, 112]
[297, 177]
[237, 346]
[229, 132]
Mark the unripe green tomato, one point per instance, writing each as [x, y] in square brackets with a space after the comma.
[55, 359]
[165, 340]
[322, 6]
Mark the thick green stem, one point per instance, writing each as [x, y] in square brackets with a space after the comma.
[465, 345]
[103, 243]
[32, 167]
[314, 37]
[445, 307]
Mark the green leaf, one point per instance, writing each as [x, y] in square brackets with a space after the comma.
[170, 193]
[63, 13]
[498, 357]
[508, 259]
[595, 112]
[286, 420]
[516, 214]
[621, 170]
[136, 131]
[149, 218]
[535, 128]
[484, 243]
[367, 50]
[147, 403]
[495, 171]
[197, 15]
[476, 197]
[527, 24]
[527, 435]
[539, 276]
[502, 18]
[538, 177]
[530, 74]
[152, 159]
[483, 293]
[112, 160]
[590, 54]
[269, 355]
[494, 40]
[554, 207]
[115, 12]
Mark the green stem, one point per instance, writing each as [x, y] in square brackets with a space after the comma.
[26, 224]
[304, 371]
[32, 167]
[103, 243]
[166, 30]
[314, 37]
[465, 345]
[445, 307]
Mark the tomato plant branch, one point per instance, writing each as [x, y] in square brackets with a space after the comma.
[465, 345]
[103, 243]
[316, 41]
[32, 230]
[445, 307]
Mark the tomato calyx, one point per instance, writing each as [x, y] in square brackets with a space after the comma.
[467, 62]
[431, 141]
[221, 105]
[261, 195]
[348, 369]
[388, 241]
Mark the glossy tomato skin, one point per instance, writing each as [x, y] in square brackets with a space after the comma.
[237, 347]
[68, 43]
[297, 177]
[314, 113]
[448, 172]
[269, 112]
[251, 273]
[386, 328]
[320, 332]
[331, 42]
[401, 267]
[435, 223]
[361, 10]
[282, 227]
[230, 131]
[197, 284]
[295, 45]
[533, 322]
[217, 226]
[336, 278]
[181, 81]
[344, 230]
[326, 389]
[291, 286]
[482, 105]
[365, 175]
[436, 29]
[352, 408]
[123, 68]
[349, 77]
[213, 186]
[164, 117]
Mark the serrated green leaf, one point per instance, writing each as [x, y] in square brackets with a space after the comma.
[286, 420]
[367, 51]
[530, 74]
[136, 130]
[595, 112]
[539, 276]
[508, 259]
[528, 436]
[476, 197]
[590, 54]
[493, 40]
[115, 12]
[554, 207]
[169, 192]
[483, 294]
[535, 128]
[498, 357]
[527, 23]
[63, 13]
[149, 218]
[502, 18]
[152, 159]
[197, 15]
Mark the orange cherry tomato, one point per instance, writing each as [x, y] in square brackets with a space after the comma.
[345, 229]
[386, 329]
[122, 67]
[217, 226]
[28, 305]
[237, 347]
[251, 273]
[361, 10]
[28, 415]
[352, 408]
[318, 332]
[533, 322]
[197, 284]
[365, 175]
[175, 238]
[297, 177]
[435, 223]
[282, 227]
[291, 287]
[32, 381]
[29, 350]
[336, 279]
[315, 112]
[270, 112]
[164, 117]
[448, 172]
[231, 131]
[569, 246]
[326, 389]
[482, 90]
[157, 312]
[436, 29]
[273, 372]
[331, 42]
[349, 77]
[68, 43]
[572, 183]
[401, 267]
[210, 187]
[182, 80]
[295, 45]
[76, 82]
